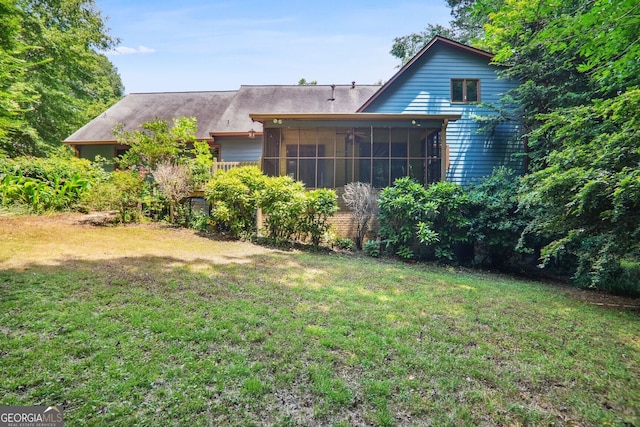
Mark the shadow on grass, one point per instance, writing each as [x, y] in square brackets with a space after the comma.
[295, 338]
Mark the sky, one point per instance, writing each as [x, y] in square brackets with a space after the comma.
[200, 45]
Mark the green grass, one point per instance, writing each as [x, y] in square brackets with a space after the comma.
[291, 338]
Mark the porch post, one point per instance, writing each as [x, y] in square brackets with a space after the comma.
[443, 150]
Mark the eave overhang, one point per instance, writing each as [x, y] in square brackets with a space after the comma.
[277, 120]
[109, 142]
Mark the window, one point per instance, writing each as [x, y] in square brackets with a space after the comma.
[465, 90]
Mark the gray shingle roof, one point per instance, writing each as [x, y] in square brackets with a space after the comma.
[225, 111]
[289, 99]
[137, 108]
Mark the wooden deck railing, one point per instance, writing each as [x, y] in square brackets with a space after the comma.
[225, 166]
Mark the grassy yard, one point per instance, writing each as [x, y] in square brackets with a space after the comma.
[153, 326]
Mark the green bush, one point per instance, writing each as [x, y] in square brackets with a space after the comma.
[402, 207]
[372, 248]
[42, 184]
[289, 210]
[447, 223]
[321, 204]
[496, 222]
[343, 243]
[419, 222]
[234, 196]
[123, 191]
[283, 202]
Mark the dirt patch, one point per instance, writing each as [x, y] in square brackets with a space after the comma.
[64, 238]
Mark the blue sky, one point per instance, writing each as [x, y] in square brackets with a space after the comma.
[194, 45]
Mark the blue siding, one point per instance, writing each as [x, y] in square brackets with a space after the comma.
[239, 149]
[425, 88]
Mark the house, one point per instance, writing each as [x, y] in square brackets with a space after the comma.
[419, 124]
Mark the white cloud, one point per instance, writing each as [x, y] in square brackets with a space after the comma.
[124, 50]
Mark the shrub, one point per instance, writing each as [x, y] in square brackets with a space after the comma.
[198, 220]
[343, 243]
[173, 180]
[321, 204]
[283, 202]
[372, 248]
[234, 196]
[447, 223]
[40, 184]
[123, 191]
[495, 220]
[419, 222]
[361, 199]
[402, 207]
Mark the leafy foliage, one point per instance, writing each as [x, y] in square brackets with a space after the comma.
[372, 248]
[41, 185]
[123, 192]
[157, 142]
[496, 223]
[67, 80]
[289, 210]
[447, 221]
[16, 92]
[283, 202]
[402, 208]
[588, 198]
[234, 196]
[201, 163]
[321, 204]
[419, 222]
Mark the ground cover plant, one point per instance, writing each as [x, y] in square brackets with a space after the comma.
[151, 325]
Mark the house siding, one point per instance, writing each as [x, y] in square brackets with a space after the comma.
[236, 149]
[425, 88]
[91, 151]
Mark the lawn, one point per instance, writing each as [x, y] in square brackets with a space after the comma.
[148, 325]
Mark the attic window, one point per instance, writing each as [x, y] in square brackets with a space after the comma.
[465, 91]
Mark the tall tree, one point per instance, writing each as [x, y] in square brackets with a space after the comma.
[406, 47]
[517, 34]
[69, 77]
[466, 26]
[578, 61]
[16, 92]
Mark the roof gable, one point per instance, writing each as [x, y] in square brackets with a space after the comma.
[409, 66]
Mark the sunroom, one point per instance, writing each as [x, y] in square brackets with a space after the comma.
[331, 150]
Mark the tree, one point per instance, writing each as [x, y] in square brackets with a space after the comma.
[587, 200]
[467, 26]
[16, 92]
[578, 64]
[406, 47]
[173, 179]
[156, 141]
[70, 79]
[304, 82]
